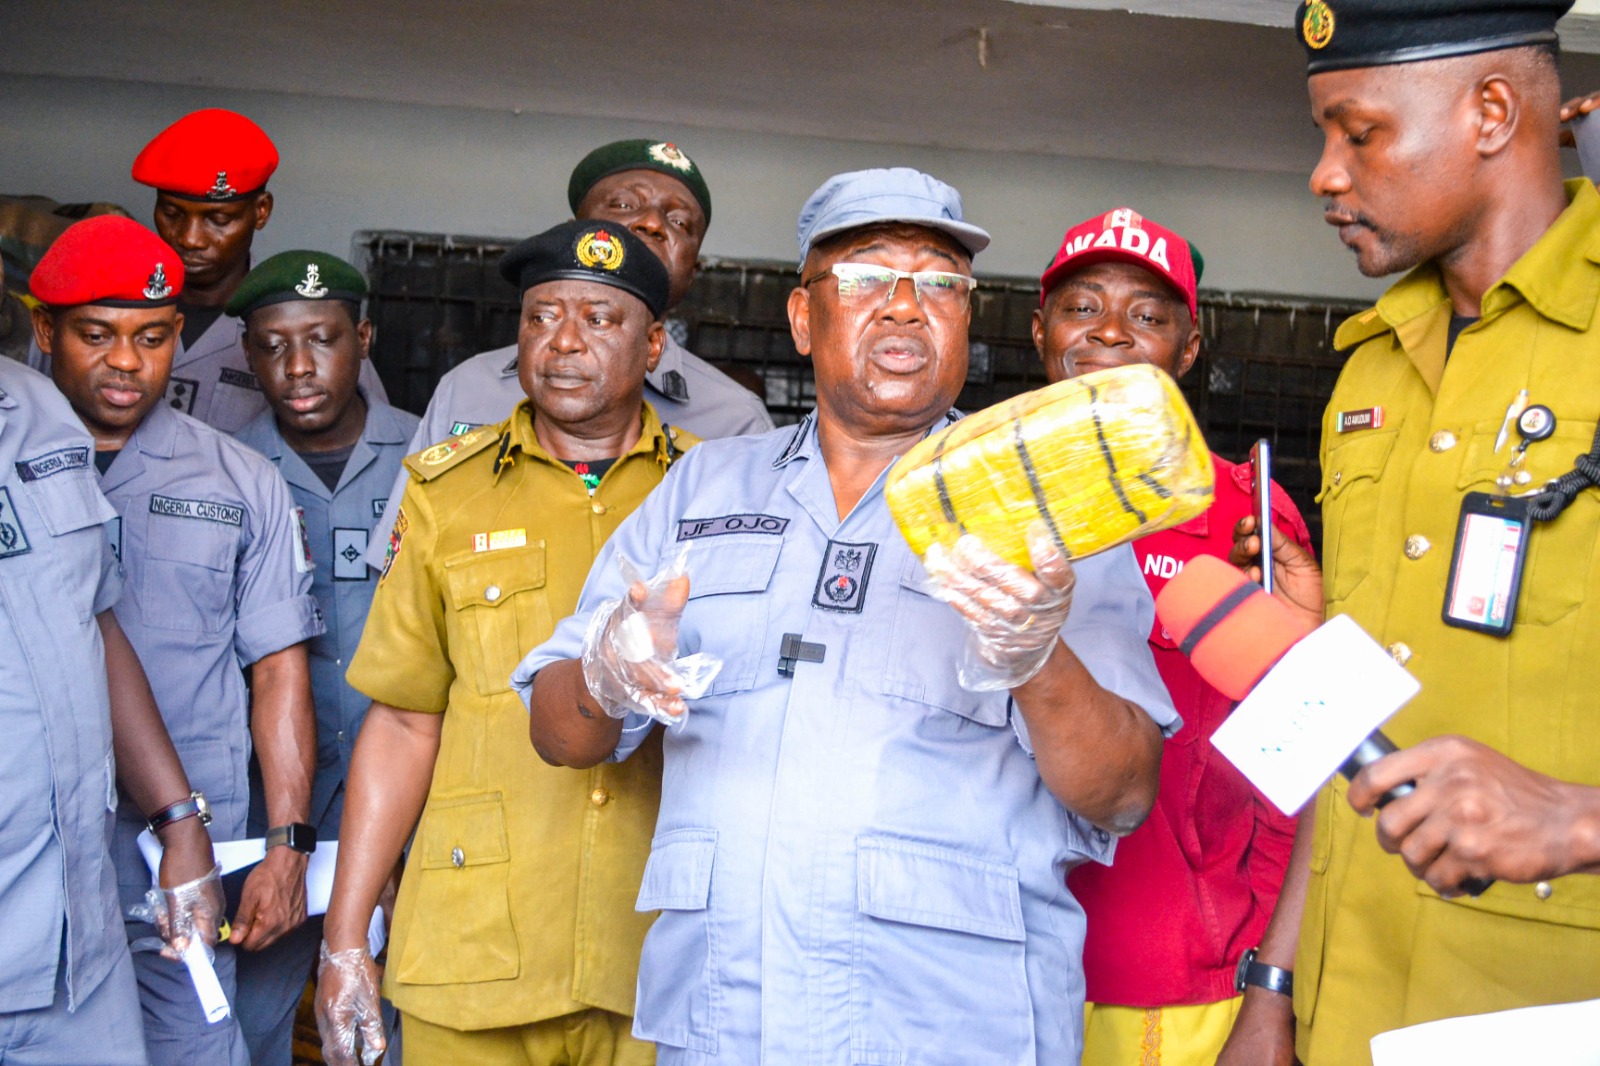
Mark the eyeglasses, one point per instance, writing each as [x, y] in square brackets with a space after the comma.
[938, 292]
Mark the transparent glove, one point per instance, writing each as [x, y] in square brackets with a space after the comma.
[630, 652]
[347, 1007]
[189, 911]
[1014, 618]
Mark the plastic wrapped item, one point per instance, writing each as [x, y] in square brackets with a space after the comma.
[184, 913]
[1101, 459]
[630, 651]
[347, 1007]
[1014, 617]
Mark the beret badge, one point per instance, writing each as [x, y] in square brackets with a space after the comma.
[669, 153]
[1317, 25]
[599, 248]
[221, 190]
[312, 287]
[156, 286]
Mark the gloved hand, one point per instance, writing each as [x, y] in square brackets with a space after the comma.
[347, 1004]
[1014, 618]
[630, 652]
[185, 912]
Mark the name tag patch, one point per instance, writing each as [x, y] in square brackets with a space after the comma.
[1366, 418]
[842, 582]
[227, 514]
[695, 528]
[239, 378]
[349, 554]
[53, 463]
[13, 539]
[180, 394]
[500, 538]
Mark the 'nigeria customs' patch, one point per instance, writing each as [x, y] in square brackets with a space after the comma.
[396, 535]
[842, 582]
[241, 379]
[13, 538]
[228, 514]
[349, 555]
[180, 394]
[597, 248]
[56, 462]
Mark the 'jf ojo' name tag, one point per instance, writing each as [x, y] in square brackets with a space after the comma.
[500, 538]
[1366, 418]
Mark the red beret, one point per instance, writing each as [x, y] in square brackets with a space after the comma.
[110, 261]
[211, 155]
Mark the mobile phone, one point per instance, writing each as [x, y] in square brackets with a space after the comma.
[1261, 497]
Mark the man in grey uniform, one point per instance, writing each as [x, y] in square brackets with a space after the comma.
[658, 192]
[210, 171]
[217, 580]
[340, 450]
[79, 719]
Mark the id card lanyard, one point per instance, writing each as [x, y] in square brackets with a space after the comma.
[1491, 543]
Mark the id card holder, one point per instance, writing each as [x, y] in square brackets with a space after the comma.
[1486, 567]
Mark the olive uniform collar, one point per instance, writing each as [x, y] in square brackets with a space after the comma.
[517, 437]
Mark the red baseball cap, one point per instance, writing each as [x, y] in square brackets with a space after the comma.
[1125, 236]
[212, 155]
[110, 261]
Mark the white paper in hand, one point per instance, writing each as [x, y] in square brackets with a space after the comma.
[1562, 1035]
[1312, 710]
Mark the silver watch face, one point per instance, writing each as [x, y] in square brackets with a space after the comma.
[205, 808]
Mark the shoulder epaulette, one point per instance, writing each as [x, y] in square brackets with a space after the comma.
[1359, 328]
[431, 462]
[678, 441]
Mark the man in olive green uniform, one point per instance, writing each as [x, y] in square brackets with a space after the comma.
[515, 937]
[1440, 157]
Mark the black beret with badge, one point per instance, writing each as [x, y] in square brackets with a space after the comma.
[297, 275]
[1345, 34]
[590, 251]
[663, 157]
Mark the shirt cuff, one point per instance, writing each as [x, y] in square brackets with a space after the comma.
[278, 626]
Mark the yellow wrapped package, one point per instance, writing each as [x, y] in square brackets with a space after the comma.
[1102, 459]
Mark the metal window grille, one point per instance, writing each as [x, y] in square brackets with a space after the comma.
[1266, 369]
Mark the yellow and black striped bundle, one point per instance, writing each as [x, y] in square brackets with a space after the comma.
[1102, 459]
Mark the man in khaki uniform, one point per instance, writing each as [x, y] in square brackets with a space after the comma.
[1440, 158]
[515, 937]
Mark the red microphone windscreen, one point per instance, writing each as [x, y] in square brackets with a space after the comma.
[1240, 631]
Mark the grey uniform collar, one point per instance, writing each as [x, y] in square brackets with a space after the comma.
[802, 443]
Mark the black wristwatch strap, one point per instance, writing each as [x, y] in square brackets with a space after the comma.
[296, 836]
[1272, 978]
[192, 807]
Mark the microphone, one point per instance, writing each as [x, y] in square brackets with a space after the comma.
[1314, 713]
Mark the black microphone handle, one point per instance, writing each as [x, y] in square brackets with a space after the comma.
[1375, 747]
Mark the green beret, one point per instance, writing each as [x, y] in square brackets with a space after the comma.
[1345, 34]
[1199, 263]
[297, 275]
[590, 251]
[663, 157]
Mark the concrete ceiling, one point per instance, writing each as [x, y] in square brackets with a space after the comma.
[996, 75]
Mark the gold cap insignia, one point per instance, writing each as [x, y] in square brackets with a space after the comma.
[670, 154]
[1317, 26]
[601, 249]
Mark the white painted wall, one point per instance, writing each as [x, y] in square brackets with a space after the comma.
[353, 165]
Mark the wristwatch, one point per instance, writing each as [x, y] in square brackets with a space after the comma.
[296, 836]
[193, 807]
[1271, 978]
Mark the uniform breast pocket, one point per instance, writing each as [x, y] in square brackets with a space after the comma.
[71, 505]
[935, 932]
[1351, 483]
[500, 601]
[459, 928]
[728, 584]
[189, 568]
[924, 646]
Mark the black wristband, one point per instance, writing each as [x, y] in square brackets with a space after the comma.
[194, 806]
[296, 836]
[1272, 978]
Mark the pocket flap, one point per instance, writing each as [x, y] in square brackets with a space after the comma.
[734, 565]
[463, 831]
[1363, 456]
[492, 578]
[70, 501]
[678, 875]
[920, 884]
[213, 545]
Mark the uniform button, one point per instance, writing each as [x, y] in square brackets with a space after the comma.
[1417, 546]
[600, 797]
[1442, 441]
[458, 858]
[1102, 836]
[1338, 476]
[597, 507]
[492, 593]
[1399, 652]
[1544, 890]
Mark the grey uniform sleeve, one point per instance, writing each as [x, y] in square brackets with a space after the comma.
[1109, 630]
[428, 432]
[109, 589]
[274, 603]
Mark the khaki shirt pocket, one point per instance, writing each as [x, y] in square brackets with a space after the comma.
[501, 611]
[1350, 496]
[459, 928]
